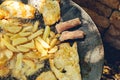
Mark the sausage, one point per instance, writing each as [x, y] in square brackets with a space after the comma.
[66, 35]
[67, 24]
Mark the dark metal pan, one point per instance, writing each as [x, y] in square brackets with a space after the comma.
[90, 49]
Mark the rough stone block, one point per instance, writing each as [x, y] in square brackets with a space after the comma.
[101, 9]
[115, 19]
[112, 35]
[111, 3]
[101, 22]
[95, 6]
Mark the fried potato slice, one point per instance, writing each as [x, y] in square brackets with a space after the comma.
[9, 34]
[43, 43]
[2, 46]
[52, 34]
[14, 36]
[40, 49]
[34, 35]
[18, 41]
[48, 40]
[3, 59]
[29, 45]
[35, 27]
[9, 46]
[53, 42]
[27, 28]
[12, 29]
[8, 54]
[25, 34]
[7, 38]
[23, 49]
[53, 50]
[4, 71]
[46, 32]
[18, 64]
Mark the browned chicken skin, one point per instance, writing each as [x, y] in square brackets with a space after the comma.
[65, 63]
[50, 10]
[17, 9]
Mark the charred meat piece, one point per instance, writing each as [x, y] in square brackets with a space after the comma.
[67, 25]
[66, 35]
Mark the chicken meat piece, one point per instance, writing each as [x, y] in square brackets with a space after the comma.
[17, 9]
[50, 10]
[46, 76]
[3, 14]
[65, 63]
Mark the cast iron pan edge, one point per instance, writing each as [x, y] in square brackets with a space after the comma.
[90, 49]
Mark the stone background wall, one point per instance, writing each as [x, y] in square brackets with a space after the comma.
[106, 15]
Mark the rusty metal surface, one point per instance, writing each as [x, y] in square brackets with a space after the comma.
[90, 49]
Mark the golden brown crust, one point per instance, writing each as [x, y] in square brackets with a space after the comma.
[18, 9]
[65, 64]
[3, 14]
[50, 11]
[46, 76]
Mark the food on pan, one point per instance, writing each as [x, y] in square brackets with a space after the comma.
[65, 63]
[67, 24]
[50, 10]
[22, 56]
[29, 51]
[13, 8]
[69, 35]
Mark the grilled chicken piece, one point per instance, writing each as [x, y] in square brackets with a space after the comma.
[50, 10]
[16, 9]
[3, 14]
[66, 35]
[65, 63]
[46, 76]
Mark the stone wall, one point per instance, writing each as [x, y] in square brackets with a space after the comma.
[106, 15]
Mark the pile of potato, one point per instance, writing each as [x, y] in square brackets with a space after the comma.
[24, 46]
